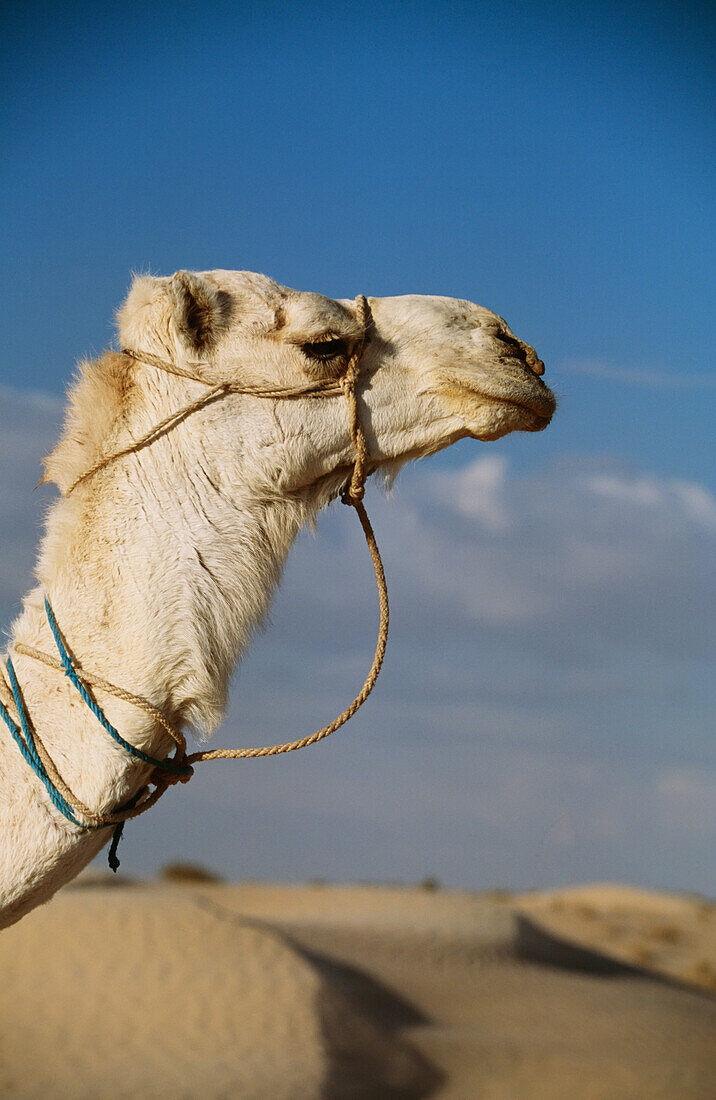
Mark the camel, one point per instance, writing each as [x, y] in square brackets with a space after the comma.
[160, 566]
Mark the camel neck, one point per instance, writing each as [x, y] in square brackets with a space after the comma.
[140, 606]
[164, 604]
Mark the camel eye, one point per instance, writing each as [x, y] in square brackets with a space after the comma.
[323, 351]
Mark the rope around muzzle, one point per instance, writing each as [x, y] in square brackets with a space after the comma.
[180, 767]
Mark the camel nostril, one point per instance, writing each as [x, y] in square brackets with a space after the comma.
[533, 360]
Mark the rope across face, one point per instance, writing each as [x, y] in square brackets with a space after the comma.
[180, 767]
[345, 384]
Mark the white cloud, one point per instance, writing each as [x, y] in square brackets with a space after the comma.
[697, 500]
[694, 501]
[567, 553]
[645, 377]
[644, 492]
[479, 490]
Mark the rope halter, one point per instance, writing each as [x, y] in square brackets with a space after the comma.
[179, 768]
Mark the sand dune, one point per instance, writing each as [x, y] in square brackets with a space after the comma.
[255, 991]
[130, 993]
[668, 935]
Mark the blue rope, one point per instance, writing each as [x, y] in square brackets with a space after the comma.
[164, 765]
[25, 740]
[26, 743]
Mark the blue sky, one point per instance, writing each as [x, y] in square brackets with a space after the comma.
[552, 162]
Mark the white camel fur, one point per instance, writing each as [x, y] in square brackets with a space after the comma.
[160, 567]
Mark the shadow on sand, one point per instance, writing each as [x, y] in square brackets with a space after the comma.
[361, 1020]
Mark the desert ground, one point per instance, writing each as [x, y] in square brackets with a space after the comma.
[185, 987]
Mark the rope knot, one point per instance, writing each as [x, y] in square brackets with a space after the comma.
[351, 496]
[347, 382]
[352, 493]
[168, 779]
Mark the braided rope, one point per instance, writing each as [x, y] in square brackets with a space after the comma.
[154, 433]
[92, 680]
[368, 685]
[165, 765]
[325, 388]
[23, 737]
[33, 750]
[179, 768]
[6, 695]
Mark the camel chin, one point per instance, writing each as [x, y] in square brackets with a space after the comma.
[488, 418]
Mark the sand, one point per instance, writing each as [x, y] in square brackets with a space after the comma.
[303, 992]
[668, 935]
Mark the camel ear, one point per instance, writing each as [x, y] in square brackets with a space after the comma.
[201, 312]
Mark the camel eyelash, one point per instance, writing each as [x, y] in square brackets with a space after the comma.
[331, 347]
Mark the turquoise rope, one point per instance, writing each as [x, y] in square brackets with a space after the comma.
[164, 765]
[25, 741]
[26, 744]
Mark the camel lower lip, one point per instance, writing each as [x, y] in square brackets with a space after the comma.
[540, 422]
[543, 418]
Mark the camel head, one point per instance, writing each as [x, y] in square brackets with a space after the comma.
[434, 370]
